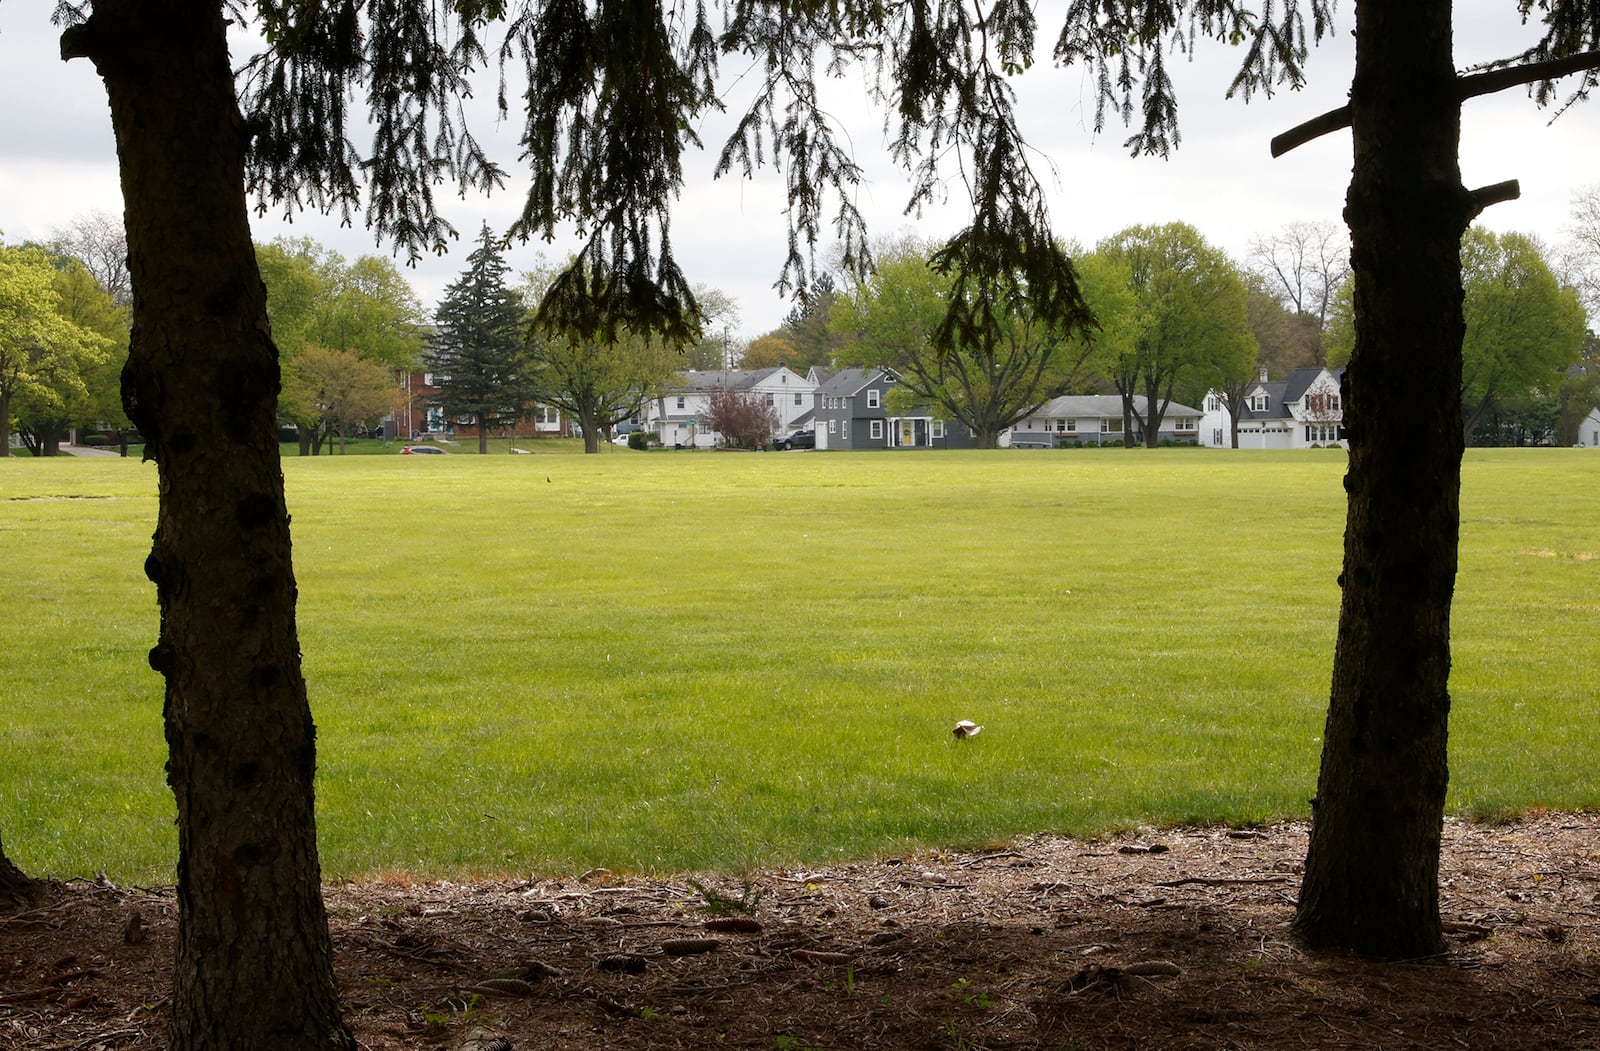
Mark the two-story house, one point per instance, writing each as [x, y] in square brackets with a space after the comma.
[853, 411]
[1301, 411]
[416, 412]
[679, 414]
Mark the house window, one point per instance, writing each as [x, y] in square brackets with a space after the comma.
[872, 398]
[1258, 403]
[797, 397]
[768, 397]
[427, 379]
[844, 429]
[833, 426]
[1111, 425]
[877, 430]
[1216, 437]
[938, 428]
[1186, 423]
[680, 401]
[1213, 404]
[1072, 426]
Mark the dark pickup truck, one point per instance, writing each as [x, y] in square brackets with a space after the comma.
[796, 440]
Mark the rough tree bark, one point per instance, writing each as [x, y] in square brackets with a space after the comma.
[14, 883]
[254, 961]
[1372, 871]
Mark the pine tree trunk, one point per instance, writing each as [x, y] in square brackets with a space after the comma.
[13, 882]
[1372, 871]
[254, 961]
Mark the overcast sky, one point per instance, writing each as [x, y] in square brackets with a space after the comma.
[57, 161]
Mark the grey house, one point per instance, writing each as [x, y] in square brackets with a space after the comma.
[851, 413]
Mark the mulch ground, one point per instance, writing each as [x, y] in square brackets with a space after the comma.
[1170, 939]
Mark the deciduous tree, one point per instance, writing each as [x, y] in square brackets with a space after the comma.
[768, 352]
[742, 417]
[1522, 328]
[1302, 266]
[595, 382]
[893, 318]
[612, 95]
[44, 355]
[334, 390]
[98, 240]
[1189, 322]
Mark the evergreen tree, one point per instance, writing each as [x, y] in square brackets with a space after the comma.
[478, 356]
[615, 91]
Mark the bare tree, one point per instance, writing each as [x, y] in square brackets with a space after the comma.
[1303, 265]
[1580, 255]
[97, 239]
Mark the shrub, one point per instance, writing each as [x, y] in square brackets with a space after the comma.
[638, 440]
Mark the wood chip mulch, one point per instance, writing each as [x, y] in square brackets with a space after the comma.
[1167, 939]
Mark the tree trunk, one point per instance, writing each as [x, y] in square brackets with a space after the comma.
[483, 435]
[589, 420]
[1372, 871]
[5, 424]
[253, 961]
[13, 882]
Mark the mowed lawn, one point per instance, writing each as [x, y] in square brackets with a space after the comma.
[674, 661]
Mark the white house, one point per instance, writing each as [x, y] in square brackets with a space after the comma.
[1589, 431]
[1095, 419]
[1301, 411]
[679, 414]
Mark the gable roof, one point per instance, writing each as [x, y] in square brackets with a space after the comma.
[1285, 392]
[704, 381]
[850, 382]
[1091, 406]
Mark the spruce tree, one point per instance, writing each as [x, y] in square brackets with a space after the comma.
[478, 356]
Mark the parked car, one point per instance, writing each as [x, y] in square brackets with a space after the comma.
[421, 450]
[796, 440]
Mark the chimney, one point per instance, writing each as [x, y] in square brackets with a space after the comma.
[1263, 374]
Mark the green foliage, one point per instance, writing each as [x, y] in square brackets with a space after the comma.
[571, 691]
[315, 297]
[1186, 325]
[893, 319]
[1524, 331]
[1523, 327]
[720, 904]
[50, 341]
[480, 363]
[335, 390]
[613, 95]
[598, 383]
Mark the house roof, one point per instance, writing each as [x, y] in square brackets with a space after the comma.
[849, 382]
[1091, 406]
[1285, 392]
[707, 380]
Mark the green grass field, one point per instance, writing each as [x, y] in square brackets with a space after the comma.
[670, 661]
